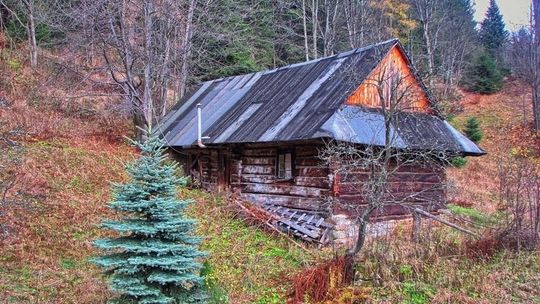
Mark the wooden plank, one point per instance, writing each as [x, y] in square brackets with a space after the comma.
[286, 212]
[260, 160]
[308, 181]
[260, 152]
[284, 189]
[300, 228]
[305, 203]
[308, 161]
[312, 172]
[258, 169]
[260, 179]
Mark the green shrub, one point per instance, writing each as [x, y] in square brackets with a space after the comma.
[416, 293]
[473, 130]
[458, 162]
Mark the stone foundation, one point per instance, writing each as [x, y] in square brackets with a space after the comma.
[345, 230]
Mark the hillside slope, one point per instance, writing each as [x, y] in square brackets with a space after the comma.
[59, 156]
[506, 121]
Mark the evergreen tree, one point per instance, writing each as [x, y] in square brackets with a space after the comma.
[483, 76]
[472, 129]
[492, 32]
[155, 259]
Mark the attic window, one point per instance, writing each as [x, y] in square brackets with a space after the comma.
[284, 165]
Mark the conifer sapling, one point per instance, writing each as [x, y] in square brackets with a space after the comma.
[155, 258]
[472, 129]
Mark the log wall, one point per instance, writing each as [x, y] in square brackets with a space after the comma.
[254, 175]
[418, 185]
[251, 171]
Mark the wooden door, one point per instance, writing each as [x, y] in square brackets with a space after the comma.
[224, 170]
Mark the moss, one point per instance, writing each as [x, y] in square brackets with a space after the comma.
[475, 215]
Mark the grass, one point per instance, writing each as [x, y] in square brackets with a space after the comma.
[67, 163]
[474, 215]
[439, 271]
[249, 264]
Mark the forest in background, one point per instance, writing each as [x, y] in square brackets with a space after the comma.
[70, 81]
[148, 53]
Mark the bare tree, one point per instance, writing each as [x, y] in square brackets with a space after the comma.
[304, 23]
[457, 40]
[332, 10]
[372, 170]
[525, 58]
[145, 46]
[24, 11]
[359, 14]
[430, 14]
[325, 19]
[519, 194]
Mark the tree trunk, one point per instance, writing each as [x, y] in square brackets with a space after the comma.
[306, 46]
[32, 42]
[186, 49]
[429, 50]
[315, 21]
[363, 223]
[536, 56]
[147, 104]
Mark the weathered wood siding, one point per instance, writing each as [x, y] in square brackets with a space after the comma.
[203, 166]
[251, 172]
[254, 175]
[393, 67]
[418, 185]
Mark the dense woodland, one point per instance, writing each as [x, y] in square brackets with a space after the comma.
[78, 77]
[151, 52]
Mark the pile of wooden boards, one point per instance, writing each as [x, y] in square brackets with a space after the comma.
[307, 225]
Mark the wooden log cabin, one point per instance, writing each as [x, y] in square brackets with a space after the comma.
[261, 135]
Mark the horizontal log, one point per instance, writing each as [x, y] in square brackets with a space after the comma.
[258, 169]
[256, 178]
[307, 151]
[319, 182]
[384, 211]
[409, 187]
[395, 177]
[284, 189]
[259, 160]
[309, 161]
[260, 152]
[313, 204]
[312, 172]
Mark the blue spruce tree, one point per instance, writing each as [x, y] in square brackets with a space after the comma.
[156, 258]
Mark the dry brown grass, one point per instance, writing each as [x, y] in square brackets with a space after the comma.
[63, 174]
[507, 129]
[67, 160]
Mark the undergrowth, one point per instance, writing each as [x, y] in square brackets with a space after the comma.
[246, 264]
[438, 270]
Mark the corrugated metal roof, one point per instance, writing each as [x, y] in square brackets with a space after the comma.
[295, 102]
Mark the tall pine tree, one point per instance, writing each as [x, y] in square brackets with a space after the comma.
[483, 76]
[492, 33]
[155, 258]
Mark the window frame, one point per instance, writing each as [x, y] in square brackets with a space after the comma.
[284, 152]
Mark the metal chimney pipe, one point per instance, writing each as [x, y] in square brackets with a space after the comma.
[199, 127]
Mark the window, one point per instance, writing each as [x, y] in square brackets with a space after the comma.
[284, 165]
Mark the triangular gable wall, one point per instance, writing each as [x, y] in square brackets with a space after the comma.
[401, 81]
